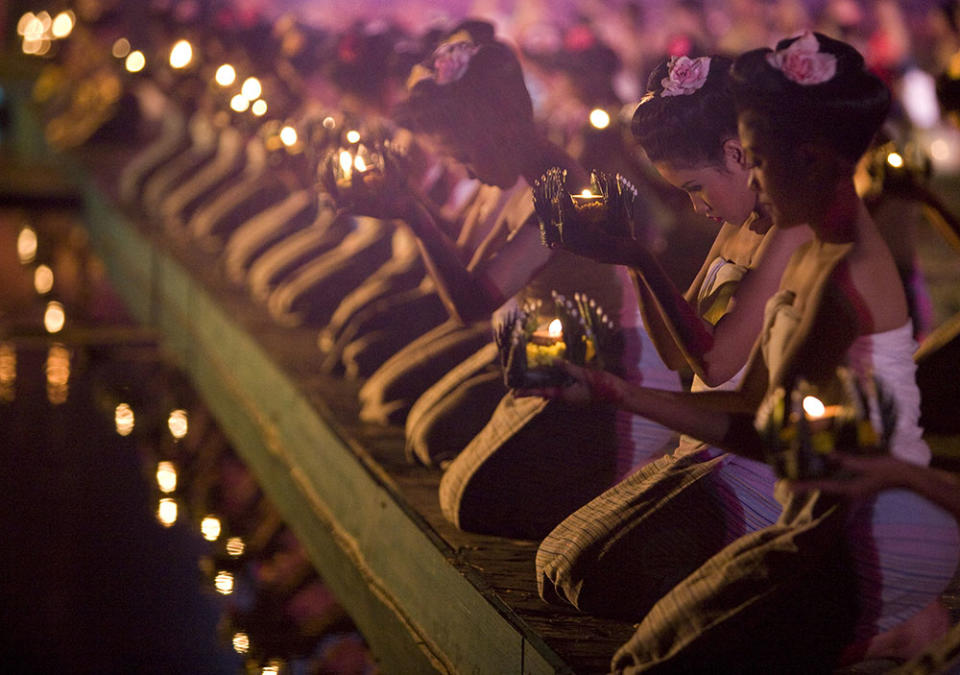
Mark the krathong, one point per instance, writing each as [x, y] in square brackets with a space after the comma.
[577, 331]
[801, 428]
[566, 219]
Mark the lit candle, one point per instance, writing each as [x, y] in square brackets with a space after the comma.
[546, 345]
[590, 207]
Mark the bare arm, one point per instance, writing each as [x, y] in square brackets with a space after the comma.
[721, 418]
[467, 296]
[873, 474]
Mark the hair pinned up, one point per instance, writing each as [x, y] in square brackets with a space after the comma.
[685, 125]
[833, 100]
[478, 79]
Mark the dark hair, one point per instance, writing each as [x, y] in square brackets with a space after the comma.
[491, 91]
[845, 112]
[687, 130]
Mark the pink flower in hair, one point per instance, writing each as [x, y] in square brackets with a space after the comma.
[803, 62]
[685, 75]
[452, 59]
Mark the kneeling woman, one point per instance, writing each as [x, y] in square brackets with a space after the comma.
[621, 552]
[826, 582]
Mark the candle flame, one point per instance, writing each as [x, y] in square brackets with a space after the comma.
[586, 193]
[555, 329]
[814, 407]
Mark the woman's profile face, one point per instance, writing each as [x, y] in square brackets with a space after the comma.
[775, 173]
[720, 192]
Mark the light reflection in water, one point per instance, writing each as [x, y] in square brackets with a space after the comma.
[210, 527]
[54, 317]
[8, 371]
[27, 245]
[124, 419]
[235, 546]
[167, 511]
[241, 643]
[223, 582]
[177, 423]
[58, 374]
[43, 279]
[166, 477]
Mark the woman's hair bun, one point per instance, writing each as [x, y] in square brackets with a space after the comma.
[844, 110]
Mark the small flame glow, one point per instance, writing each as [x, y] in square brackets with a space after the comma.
[813, 407]
[121, 48]
[124, 419]
[27, 245]
[353, 136]
[359, 163]
[210, 528]
[288, 135]
[346, 162]
[239, 103]
[599, 118]
[135, 61]
[166, 477]
[177, 423]
[251, 89]
[43, 279]
[25, 22]
[235, 546]
[63, 24]
[555, 329]
[225, 75]
[241, 643]
[181, 54]
[259, 107]
[223, 582]
[167, 511]
[54, 318]
[895, 159]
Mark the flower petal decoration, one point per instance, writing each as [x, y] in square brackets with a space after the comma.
[452, 58]
[803, 62]
[685, 75]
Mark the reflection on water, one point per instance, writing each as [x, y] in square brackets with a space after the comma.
[167, 511]
[210, 528]
[235, 547]
[116, 483]
[43, 279]
[124, 419]
[58, 374]
[177, 423]
[223, 582]
[8, 371]
[241, 643]
[166, 477]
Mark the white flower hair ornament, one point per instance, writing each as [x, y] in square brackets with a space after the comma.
[449, 61]
[685, 75]
[803, 62]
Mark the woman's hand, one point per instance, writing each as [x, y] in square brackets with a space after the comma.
[870, 474]
[587, 386]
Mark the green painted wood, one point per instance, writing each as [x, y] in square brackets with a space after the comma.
[420, 610]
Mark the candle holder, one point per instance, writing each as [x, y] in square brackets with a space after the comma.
[606, 206]
[355, 174]
[579, 331]
[801, 428]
